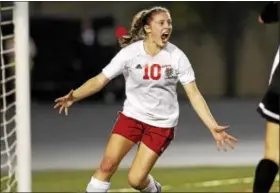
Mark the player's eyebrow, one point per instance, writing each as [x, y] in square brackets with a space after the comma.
[162, 20]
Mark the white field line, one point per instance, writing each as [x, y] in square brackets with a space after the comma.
[213, 183]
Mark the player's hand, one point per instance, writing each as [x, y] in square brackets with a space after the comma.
[64, 102]
[223, 139]
[260, 20]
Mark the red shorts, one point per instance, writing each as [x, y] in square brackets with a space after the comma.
[157, 139]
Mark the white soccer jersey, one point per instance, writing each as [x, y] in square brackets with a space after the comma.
[151, 81]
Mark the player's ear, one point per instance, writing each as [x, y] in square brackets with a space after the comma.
[147, 29]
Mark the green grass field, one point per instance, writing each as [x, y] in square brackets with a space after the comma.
[192, 179]
[172, 179]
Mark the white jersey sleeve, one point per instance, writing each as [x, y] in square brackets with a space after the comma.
[116, 66]
[186, 73]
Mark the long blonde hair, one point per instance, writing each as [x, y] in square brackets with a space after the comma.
[137, 31]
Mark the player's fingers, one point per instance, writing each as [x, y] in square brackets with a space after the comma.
[223, 145]
[71, 93]
[56, 105]
[221, 129]
[229, 143]
[218, 145]
[224, 127]
[66, 111]
[61, 109]
[59, 99]
[231, 138]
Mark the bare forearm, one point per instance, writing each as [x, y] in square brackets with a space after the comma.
[203, 111]
[89, 88]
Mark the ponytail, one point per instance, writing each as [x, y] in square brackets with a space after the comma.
[137, 31]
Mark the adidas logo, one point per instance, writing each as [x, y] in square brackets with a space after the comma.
[139, 66]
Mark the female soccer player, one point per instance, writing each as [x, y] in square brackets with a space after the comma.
[269, 108]
[152, 67]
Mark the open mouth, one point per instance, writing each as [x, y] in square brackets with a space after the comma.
[165, 36]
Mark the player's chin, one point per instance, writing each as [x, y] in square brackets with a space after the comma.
[163, 42]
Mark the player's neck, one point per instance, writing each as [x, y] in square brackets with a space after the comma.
[151, 48]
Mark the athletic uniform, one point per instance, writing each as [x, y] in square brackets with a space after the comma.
[151, 110]
[269, 107]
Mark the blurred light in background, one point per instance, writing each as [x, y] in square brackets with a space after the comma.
[120, 31]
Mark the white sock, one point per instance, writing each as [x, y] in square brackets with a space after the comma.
[151, 186]
[97, 186]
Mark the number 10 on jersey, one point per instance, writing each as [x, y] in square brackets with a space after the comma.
[152, 72]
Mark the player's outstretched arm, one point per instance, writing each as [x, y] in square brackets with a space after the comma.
[200, 105]
[89, 88]
[203, 111]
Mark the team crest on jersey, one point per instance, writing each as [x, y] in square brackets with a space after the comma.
[170, 73]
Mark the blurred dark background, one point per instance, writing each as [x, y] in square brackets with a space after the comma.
[230, 51]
